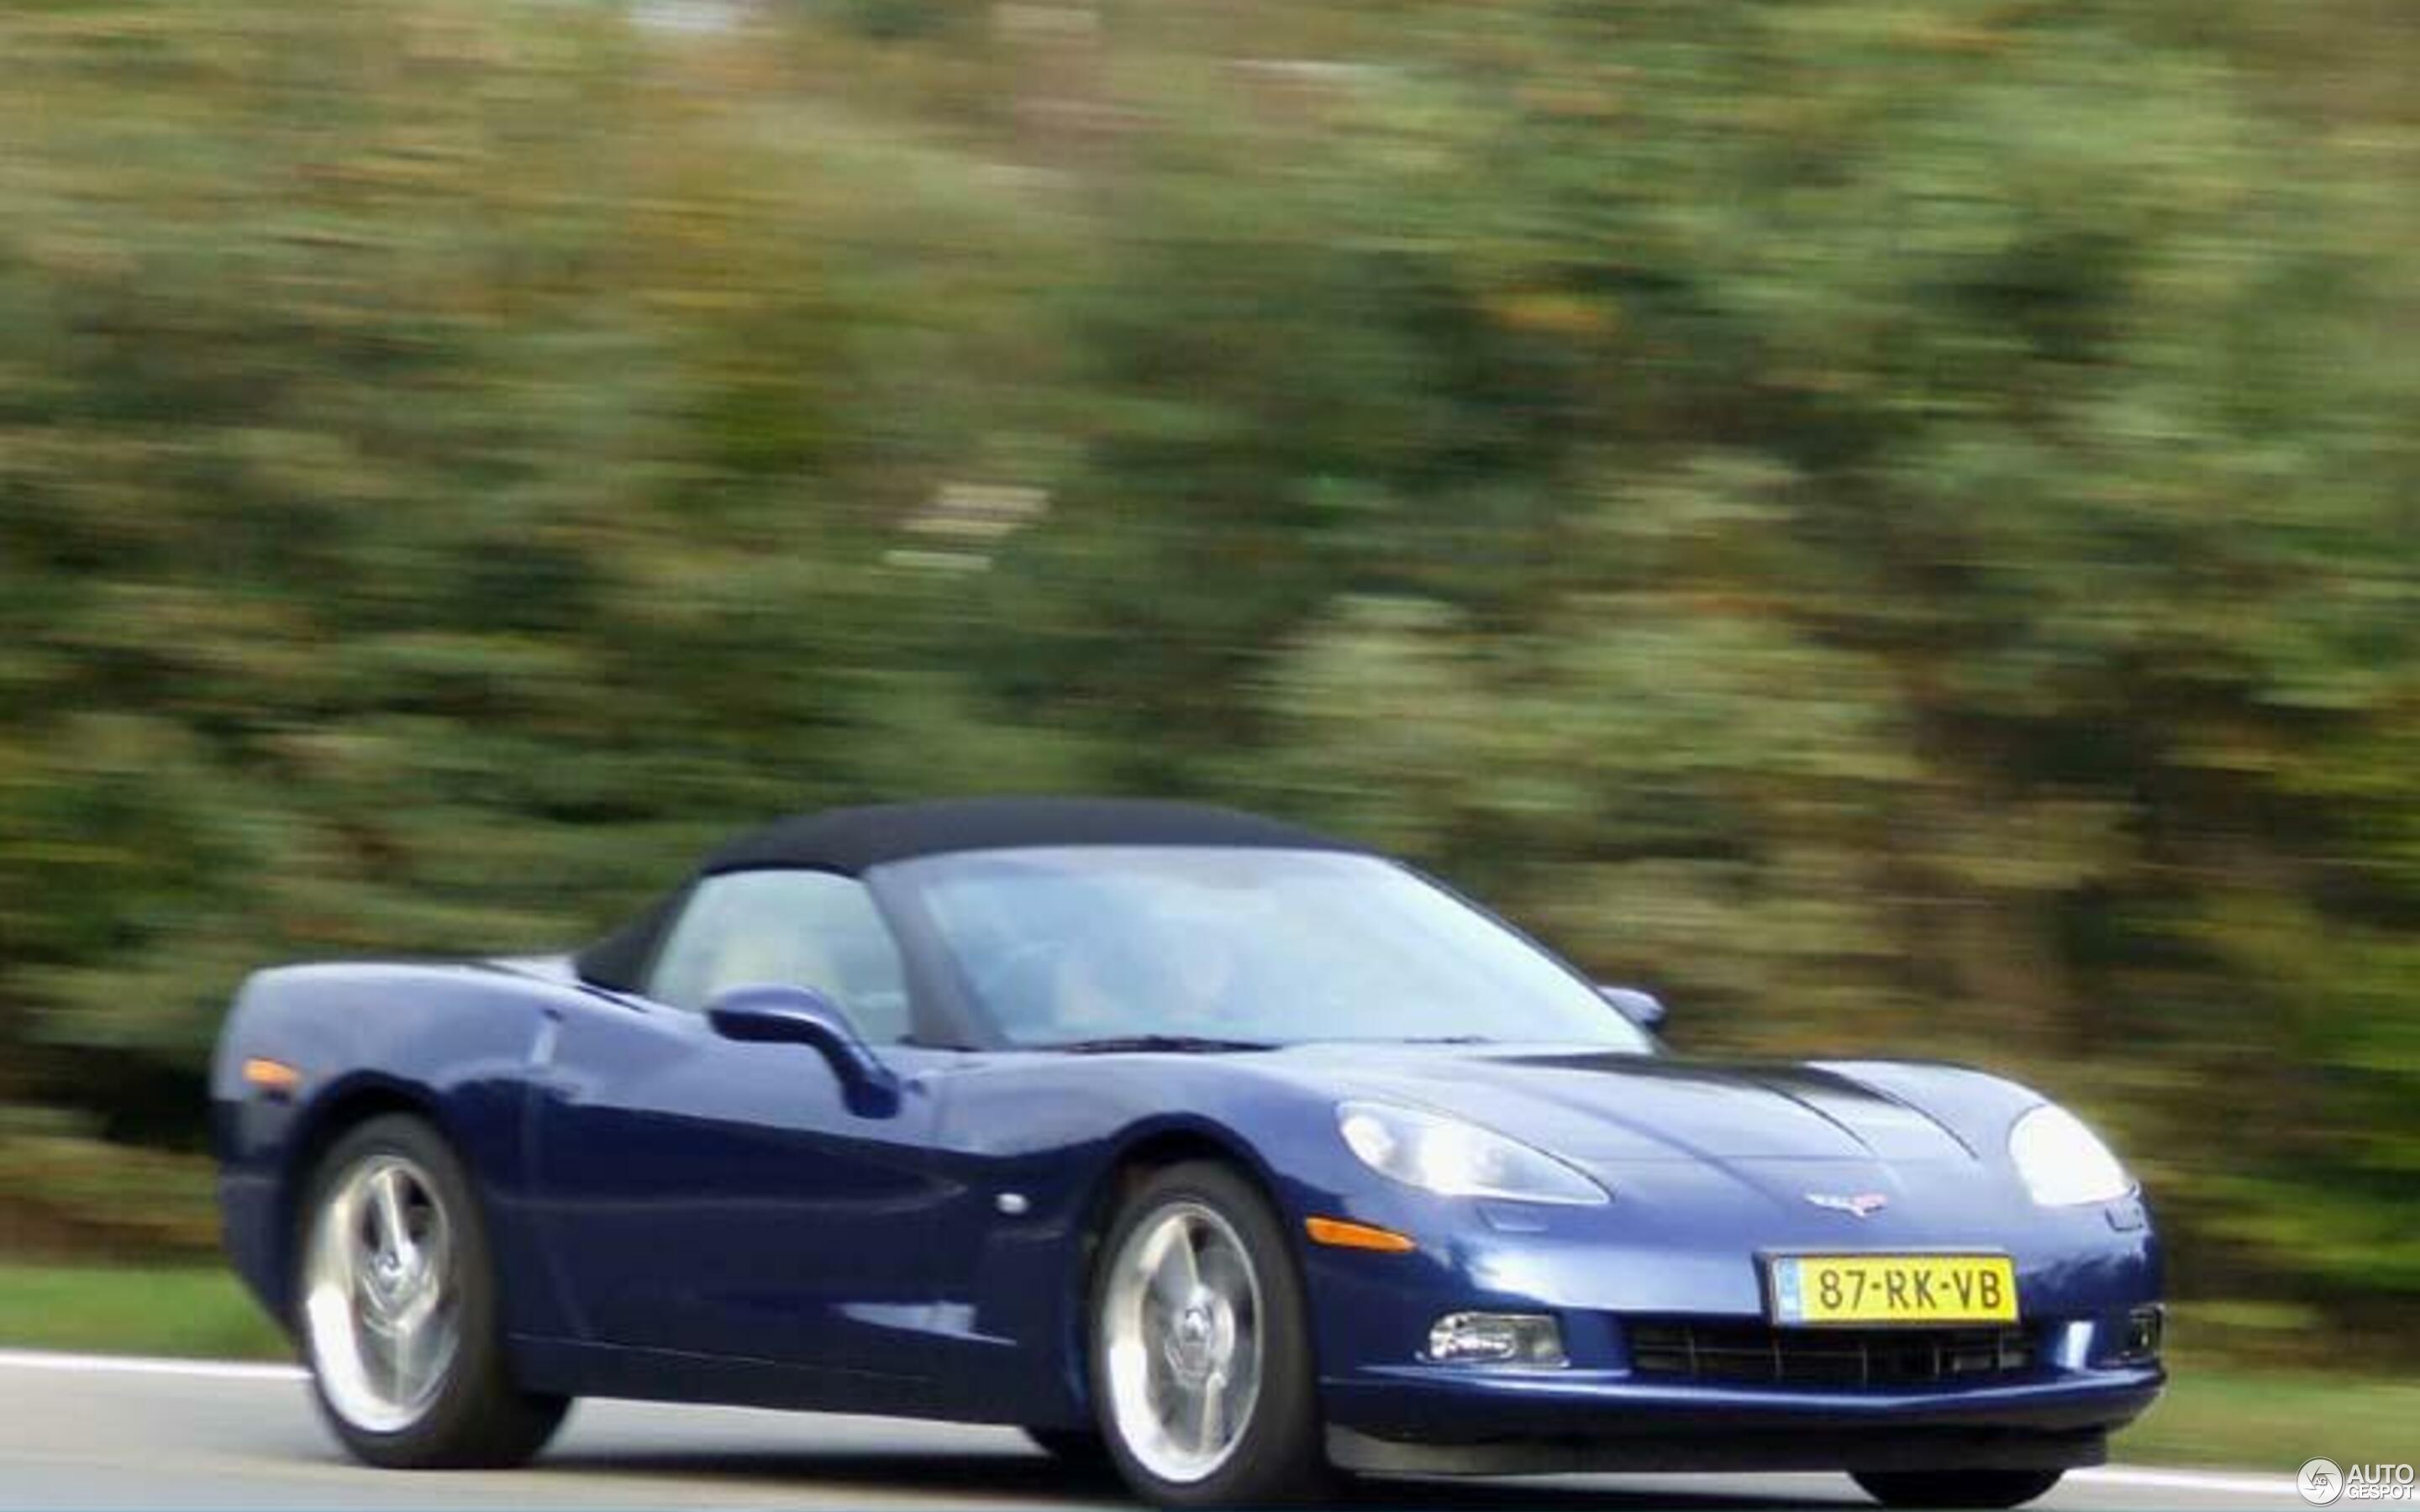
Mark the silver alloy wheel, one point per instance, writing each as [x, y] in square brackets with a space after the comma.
[381, 1311]
[1180, 1324]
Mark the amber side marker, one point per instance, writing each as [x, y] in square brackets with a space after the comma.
[270, 1076]
[1343, 1235]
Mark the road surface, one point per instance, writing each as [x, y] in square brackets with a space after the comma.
[84, 1432]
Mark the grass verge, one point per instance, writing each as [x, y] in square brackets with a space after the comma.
[2212, 1415]
[2264, 1420]
[197, 1311]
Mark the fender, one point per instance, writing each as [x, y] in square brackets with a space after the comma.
[450, 1042]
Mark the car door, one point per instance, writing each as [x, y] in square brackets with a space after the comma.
[719, 1197]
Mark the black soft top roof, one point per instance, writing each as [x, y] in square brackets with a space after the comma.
[852, 841]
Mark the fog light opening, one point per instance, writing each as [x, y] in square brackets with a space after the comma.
[1495, 1338]
[2145, 1327]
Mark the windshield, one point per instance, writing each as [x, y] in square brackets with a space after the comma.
[1065, 945]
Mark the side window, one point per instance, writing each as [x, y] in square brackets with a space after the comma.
[807, 929]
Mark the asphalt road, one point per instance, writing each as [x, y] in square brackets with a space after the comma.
[84, 1432]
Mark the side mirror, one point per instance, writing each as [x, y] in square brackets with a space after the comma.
[1643, 1009]
[770, 1014]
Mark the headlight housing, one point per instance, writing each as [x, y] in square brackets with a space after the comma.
[2064, 1163]
[1455, 1158]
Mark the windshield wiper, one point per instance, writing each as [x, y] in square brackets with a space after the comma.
[1173, 1044]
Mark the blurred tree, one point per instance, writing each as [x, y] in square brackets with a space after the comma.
[1890, 521]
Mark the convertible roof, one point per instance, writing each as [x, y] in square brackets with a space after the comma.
[851, 841]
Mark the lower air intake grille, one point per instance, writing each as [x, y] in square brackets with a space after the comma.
[1695, 1349]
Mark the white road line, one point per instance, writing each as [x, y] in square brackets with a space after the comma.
[129, 1365]
[2150, 1478]
[2187, 1480]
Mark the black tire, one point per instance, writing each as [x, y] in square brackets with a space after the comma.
[479, 1417]
[1942, 1489]
[1280, 1457]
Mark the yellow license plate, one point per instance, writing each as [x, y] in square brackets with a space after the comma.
[1893, 1289]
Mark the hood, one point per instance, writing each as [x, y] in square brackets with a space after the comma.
[1604, 1107]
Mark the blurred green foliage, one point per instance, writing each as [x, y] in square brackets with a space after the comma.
[1892, 521]
[65, 1195]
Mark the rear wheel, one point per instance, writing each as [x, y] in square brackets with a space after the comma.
[1956, 1488]
[1199, 1346]
[396, 1307]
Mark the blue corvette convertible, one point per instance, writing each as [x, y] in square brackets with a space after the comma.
[1227, 1152]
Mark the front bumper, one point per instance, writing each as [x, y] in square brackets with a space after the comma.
[1443, 1420]
[1611, 1275]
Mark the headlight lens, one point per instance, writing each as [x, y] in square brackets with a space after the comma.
[1455, 1158]
[2063, 1163]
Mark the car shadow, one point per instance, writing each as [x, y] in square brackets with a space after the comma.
[1009, 1477]
[1015, 1477]
[1547, 1496]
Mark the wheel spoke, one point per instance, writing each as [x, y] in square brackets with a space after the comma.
[1170, 1264]
[1210, 1425]
[411, 1354]
[435, 1252]
[417, 1356]
[1243, 1378]
[395, 1345]
[386, 1193]
[419, 1304]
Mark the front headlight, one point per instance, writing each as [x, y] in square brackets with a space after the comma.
[2063, 1163]
[1455, 1158]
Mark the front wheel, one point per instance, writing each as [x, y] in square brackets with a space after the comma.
[396, 1309]
[1956, 1488]
[1201, 1356]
